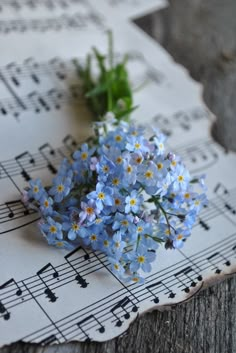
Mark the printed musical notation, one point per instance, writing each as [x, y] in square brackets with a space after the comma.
[161, 287]
[198, 155]
[41, 87]
[33, 5]
[180, 119]
[56, 23]
[14, 214]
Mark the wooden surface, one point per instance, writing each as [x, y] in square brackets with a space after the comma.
[205, 324]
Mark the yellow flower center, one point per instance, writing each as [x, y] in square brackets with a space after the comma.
[116, 267]
[159, 166]
[119, 160]
[75, 227]
[89, 210]
[115, 181]
[106, 243]
[59, 244]
[140, 229]
[167, 232]
[187, 195]
[105, 169]
[148, 174]
[138, 160]
[141, 259]
[46, 203]
[117, 202]
[36, 189]
[60, 188]
[180, 236]
[118, 138]
[173, 163]
[124, 222]
[129, 169]
[93, 237]
[53, 229]
[132, 202]
[137, 146]
[101, 196]
[135, 279]
[84, 156]
[180, 178]
[161, 146]
[117, 244]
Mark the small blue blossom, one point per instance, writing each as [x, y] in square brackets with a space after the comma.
[52, 229]
[36, 189]
[102, 196]
[141, 259]
[133, 202]
[61, 188]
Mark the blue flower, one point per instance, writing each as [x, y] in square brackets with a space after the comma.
[102, 196]
[89, 211]
[179, 237]
[36, 189]
[46, 205]
[52, 229]
[74, 230]
[116, 267]
[141, 259]
[117, 245]
[61, 188]
[133, 202]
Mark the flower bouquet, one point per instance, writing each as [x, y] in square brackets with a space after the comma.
[121, 193]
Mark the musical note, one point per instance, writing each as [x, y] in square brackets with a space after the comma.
[4, 311]
[38, 102]
[214, 262]
[198, 156]
[49, 294]
[86, 320]
[14, 207]
[10, 281]
[121, 305]
[204, 225]
[25, 158]
[59, 67]
[80, 280]
[182, 275]
[33, 5]
[223, 193]
[160, 284]
[14, 72]
[18, 293]
[47, 148]
[70, 143]
[64, 21]
[32, 67]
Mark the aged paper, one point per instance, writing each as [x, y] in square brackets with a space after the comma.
[51, 296]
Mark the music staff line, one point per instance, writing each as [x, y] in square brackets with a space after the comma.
[89, 262]
[105, 305]
[75, 21]
[181, 119]
[18, 5]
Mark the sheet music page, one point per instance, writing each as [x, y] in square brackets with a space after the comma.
[52, 296]
[130, 8]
